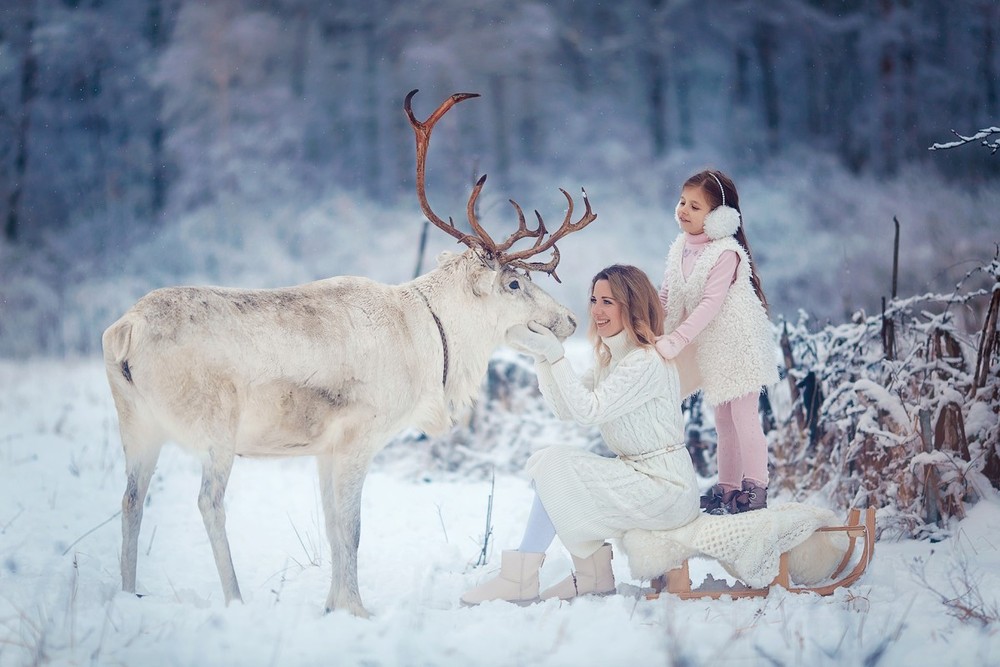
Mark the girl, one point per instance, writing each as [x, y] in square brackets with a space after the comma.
[719, 334]
[634, 399]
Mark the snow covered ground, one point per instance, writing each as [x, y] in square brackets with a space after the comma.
[61, 479]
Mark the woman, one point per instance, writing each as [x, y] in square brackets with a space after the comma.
[634, 399]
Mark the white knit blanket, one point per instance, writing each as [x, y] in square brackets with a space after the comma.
[748, 545]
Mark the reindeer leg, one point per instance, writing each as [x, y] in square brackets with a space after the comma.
[214, 477]
[340, 481]
[140, 462]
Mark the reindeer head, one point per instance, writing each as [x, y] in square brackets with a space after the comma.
[506, 272]
[500, 296]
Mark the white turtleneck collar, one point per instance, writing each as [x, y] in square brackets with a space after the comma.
[619, 345]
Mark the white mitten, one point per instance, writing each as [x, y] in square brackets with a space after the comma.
[535, 340]
[518, 337]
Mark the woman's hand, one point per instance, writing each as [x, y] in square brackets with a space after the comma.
[536, 340]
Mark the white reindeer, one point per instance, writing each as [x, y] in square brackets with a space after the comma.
[331, 369]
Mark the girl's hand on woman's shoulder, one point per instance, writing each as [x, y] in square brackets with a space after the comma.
[669, 346]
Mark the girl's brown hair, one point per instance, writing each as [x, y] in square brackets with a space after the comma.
[706, 181]
[642, 313]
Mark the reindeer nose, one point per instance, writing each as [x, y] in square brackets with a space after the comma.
[572, 323]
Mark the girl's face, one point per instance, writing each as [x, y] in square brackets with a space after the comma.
[692, 209]
[605, 310]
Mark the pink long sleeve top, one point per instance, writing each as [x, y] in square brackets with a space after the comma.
[720, 277]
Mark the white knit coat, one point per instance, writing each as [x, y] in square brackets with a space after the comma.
[735, 354]
[635, 402]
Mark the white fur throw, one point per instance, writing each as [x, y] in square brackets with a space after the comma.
[748, 545]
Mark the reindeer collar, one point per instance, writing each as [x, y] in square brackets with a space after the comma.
[444, 339]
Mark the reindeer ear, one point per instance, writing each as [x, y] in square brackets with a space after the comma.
[444, 256]
[482, 276]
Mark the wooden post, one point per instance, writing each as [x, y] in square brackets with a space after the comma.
[679, 579]
[931, 512]
[888, 335]
[888, 325]
[988, 340]
[895, 257]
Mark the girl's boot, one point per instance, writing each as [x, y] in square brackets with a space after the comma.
[719, 501]
[517, 581]
[751, 497]
[713, 499]
[591, 576]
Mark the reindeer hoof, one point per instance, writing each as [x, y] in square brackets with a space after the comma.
[357, 611]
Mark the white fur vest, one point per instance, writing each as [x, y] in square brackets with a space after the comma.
[735, 354]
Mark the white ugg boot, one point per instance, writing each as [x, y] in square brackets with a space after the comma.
[517, 581]
[591, 576]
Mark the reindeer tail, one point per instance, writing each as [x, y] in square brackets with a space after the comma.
[117, 343]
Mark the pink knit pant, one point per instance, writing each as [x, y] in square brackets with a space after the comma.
[742, 450]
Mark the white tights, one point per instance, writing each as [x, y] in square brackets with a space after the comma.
[539, 532]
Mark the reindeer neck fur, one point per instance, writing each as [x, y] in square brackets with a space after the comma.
[449, 294]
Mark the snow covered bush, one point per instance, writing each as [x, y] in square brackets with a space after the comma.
[904, 410]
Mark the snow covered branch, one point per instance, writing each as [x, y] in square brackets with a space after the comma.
[985, 137]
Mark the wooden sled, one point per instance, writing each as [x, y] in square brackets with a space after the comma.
[678, 580]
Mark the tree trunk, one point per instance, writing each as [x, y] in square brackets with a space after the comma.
[13, 222]
[530, 125]
[501, 138]
[888, 79]
[685, 128]
[656, 79]
[988, 62]
[156, 33]
[158, 177]
[849, 92]
[370, 118]
[300, 53]
[764, 45]
[657, 104]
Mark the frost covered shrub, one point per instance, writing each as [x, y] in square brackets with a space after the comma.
[908, 418]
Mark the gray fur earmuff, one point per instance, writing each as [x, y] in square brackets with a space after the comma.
[721, 222]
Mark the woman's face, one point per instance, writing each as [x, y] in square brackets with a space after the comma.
[692, 209]
[605, 310]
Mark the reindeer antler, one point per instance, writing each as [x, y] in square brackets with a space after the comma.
[422, 131]
[481, 240]
[543, 244]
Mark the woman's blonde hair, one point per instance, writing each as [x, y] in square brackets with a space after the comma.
[642, 313]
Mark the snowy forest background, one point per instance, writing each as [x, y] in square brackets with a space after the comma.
[262, 143]
[146, 143]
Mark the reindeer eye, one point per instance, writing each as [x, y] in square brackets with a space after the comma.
[514, 285]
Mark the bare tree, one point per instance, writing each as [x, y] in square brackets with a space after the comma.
[22, 121]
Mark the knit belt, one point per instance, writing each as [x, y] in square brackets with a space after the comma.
[656, 452]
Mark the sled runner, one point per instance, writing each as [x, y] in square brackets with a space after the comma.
[678, 581]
